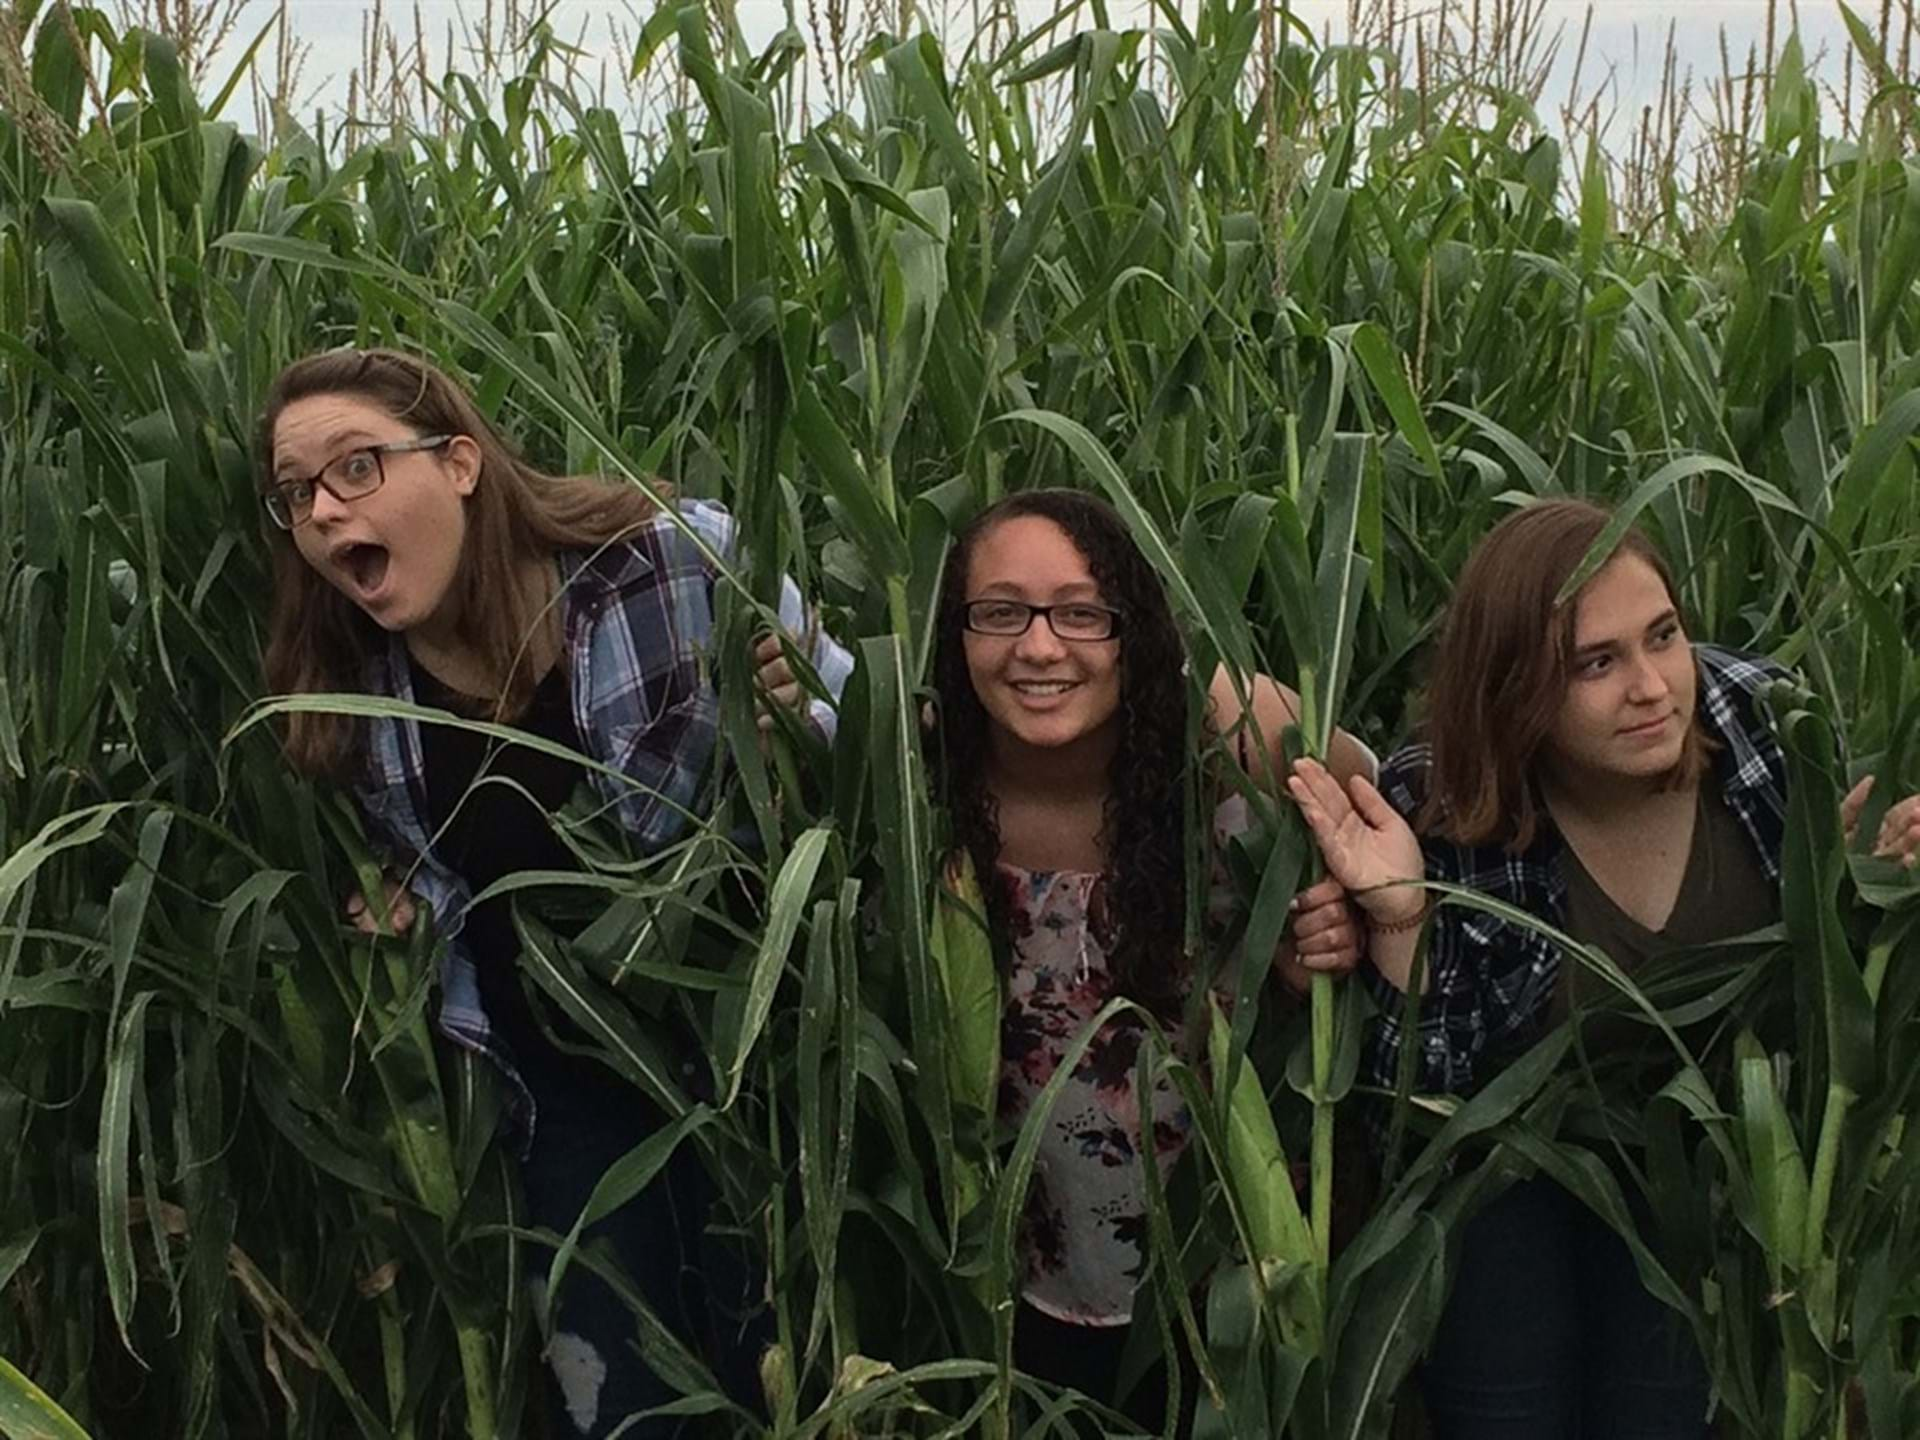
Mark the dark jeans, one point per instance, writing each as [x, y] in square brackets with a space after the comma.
[1087, 1358]
[1549, 1334]
[700, 1285]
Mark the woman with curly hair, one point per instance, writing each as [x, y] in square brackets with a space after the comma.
[1589, 764]
[417, 557]
[1063, 752]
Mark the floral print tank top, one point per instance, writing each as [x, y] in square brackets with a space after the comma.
[1083, 1232]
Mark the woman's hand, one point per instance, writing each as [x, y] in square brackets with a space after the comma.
[1899, 837]
[774, 682]
[400, 911]
[1324, 938]
[1365, 843]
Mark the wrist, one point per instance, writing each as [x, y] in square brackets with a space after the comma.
[1395, 909]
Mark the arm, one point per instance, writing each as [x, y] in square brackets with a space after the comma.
[1486, 980]
[1275, 707]
[1325, 935]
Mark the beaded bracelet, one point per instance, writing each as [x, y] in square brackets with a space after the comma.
[1400, 927]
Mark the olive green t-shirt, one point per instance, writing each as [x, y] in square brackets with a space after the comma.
[1725, 892]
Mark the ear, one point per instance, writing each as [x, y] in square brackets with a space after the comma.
[462, 459]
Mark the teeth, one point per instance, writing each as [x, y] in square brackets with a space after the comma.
[1043, 687]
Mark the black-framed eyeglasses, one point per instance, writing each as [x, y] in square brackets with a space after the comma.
[351, 476]
[1074, 620]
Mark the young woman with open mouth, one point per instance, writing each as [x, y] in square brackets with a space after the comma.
[1587, 764]
[1063, 754]
[417, 557]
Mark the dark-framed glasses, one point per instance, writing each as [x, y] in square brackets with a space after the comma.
[1074, 620]
[359, 472]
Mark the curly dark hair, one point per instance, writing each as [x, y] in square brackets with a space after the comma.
[1144, 828]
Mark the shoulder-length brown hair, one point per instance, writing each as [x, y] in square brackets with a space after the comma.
[318, 640]
[1502, 670]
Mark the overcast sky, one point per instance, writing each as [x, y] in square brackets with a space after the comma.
[1629, 35]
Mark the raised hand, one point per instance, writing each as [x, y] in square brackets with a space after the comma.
[775, 681]
[1366, 845]
[1899, 836]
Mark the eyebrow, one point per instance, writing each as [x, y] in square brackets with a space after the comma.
[337, 438]
[1602, 647]
[1078, 590]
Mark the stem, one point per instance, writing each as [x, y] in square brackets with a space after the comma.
[1321, 1217]
[476, 1371]
[1800, 1402]
[900, 619]
[786, 1412]
[1825, 1166]
[393, 1353]
[1803, 1361]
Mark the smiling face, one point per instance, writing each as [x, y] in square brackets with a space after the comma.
[1631, 683]
[395, 552]
[1036, 688]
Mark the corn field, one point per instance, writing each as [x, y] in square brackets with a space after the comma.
[1313, 316]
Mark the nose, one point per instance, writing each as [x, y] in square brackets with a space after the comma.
[327, 508]
[1648, 683]
[1039, 644]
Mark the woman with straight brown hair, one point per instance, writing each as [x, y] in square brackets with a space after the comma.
[417, 557]
[1588, 764]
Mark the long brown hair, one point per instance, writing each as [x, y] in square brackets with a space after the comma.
[318, 640]
[1502, 669]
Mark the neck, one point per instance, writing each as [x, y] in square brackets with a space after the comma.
[1065, 773]
[1601, 799]
[438, 643]
[444, 645]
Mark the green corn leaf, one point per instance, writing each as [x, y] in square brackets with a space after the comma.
[28, 1413]
[1776, 1171]
[126, 1066]
[1389, 380]
[784, 909]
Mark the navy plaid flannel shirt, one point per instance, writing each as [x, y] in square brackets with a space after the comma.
[1490, 981]
[637, 619]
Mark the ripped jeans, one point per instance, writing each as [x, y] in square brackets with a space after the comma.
[700, 1285]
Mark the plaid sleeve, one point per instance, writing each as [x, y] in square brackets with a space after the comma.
[1403, 781]
[650, 703]
[1464, 1004]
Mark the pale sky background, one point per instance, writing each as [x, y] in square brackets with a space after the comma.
[1629, 35]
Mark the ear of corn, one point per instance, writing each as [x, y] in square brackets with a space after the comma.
[1281, 1247]
[970, 987]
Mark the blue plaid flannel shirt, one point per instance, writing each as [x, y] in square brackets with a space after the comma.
[1490, 981]
[637, 619]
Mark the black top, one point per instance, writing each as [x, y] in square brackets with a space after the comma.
[487, 832]
[1724, 891]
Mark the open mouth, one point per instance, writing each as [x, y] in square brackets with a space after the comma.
[365, 563]
[1042, 689]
